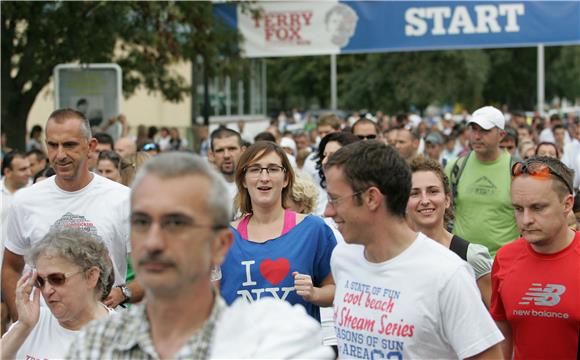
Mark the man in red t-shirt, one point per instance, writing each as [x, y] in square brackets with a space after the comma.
[536, 279]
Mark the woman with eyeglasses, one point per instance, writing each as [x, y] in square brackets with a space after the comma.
[429, 209]
[109, 165]
[276, 252]
[73, 272]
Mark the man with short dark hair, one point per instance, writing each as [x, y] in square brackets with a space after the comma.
[366, 129]
[225, 151]
[75, 197]
[15, 176]
[38, 161]
[398, 294]
[536, 279]
[179, 230]
[407, 143]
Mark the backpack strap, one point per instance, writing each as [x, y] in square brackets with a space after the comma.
[456, 172]
[459, 246]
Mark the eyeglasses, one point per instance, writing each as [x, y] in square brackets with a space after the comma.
[367, 137]
[255, 171]
[538, 169]
[54, 279]
[334, 202]
[171, 224]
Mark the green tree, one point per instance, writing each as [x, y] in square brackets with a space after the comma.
[144, 38]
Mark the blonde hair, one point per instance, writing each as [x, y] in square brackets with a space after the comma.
[304, 194]
[130, 166]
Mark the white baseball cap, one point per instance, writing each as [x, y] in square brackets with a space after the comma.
[488, 117]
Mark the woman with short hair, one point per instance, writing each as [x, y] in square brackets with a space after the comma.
[73, 271]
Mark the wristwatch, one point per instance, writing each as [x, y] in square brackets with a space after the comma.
[126, 293]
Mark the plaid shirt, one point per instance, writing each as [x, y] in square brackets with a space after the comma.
[127, 335]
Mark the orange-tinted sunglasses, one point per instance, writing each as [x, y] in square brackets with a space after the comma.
[539, 170]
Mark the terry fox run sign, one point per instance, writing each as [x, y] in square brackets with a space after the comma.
[317, 28]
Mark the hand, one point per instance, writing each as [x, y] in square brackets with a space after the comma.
[28, 310]
[115, 297]
[122, 119]
[304, 286]
[111, 120]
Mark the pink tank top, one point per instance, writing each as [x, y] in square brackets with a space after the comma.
[289, 223]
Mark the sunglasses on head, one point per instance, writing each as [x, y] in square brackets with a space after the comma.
[367, 137]
[54, 279]
[539, 170]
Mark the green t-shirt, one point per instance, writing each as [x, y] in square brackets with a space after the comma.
[483, 208]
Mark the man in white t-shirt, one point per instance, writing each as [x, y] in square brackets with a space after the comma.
[225, 151]
[400, 294]
[75, 197]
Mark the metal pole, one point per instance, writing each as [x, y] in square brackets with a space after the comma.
[333, 102]
[541, 79]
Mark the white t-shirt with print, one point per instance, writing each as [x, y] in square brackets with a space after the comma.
[48, 339]
[422, 304]
[100, 208]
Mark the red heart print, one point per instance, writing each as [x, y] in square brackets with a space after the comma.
[275, 270]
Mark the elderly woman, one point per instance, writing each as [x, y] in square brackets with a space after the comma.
[429, 205]
[276, 252]
[73, 271]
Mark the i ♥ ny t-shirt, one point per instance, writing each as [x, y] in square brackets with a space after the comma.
[255, 270]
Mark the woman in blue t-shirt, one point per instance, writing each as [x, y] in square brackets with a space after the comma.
[276, 252]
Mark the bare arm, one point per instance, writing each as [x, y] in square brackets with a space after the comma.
[11, 269]
[484, 285]
[493, 352]
[507, 346]
[321, 296]
[116, 295]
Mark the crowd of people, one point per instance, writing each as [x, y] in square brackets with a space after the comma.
[373, 236]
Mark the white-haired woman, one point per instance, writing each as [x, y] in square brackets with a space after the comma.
[73, 271]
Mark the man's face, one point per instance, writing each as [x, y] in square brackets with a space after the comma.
[68, 150]
[347, 214]
[559, 135]
[125, 147]
[19, 172]
[365, 131]
[35, 165]
[539, 211]
[301, 142]
[173, 244]
[433, 151]
[523, 134]
[324, 130]
[484, 142]
[508, 144]
[226, 153]
[406, 144]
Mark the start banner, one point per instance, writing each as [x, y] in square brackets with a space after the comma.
[285, 28]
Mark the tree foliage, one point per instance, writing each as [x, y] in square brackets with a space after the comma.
[398, 81]
[144, 38]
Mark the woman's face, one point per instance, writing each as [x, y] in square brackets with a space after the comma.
[331, 148]
[427, 202]
[265, 188]
[107, 168]
[67, 301]
[547, 150]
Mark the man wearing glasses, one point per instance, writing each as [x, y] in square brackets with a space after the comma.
[398, 293]
[366, 129]
[536, 279]
[179, 232]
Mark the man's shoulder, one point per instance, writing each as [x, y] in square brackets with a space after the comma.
[119, 328]
[431, 252]
[512, 250]
[101, 182]
[36, 191]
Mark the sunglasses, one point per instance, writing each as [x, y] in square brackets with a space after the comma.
[539, 170]
[54, 279]
[367, 137]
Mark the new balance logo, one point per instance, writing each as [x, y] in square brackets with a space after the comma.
[543, 296]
